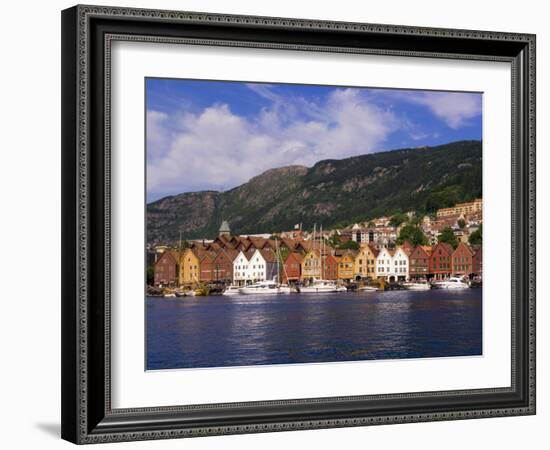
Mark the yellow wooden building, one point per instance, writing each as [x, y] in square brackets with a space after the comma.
[189, 267]
[311, 265]
[365, 262]
[346, 266]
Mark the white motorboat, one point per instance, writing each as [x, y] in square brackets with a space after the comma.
[451, 283]
[285, 289]
[231, 290]
[264, 287]
[416, 286]
[170, 295]
[367, 289]
[322, 286]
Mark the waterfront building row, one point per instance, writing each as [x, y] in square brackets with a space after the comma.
[231, 259]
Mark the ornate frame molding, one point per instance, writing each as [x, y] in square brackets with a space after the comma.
[86, 422]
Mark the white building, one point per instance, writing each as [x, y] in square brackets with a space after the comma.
[381, 237]
[384, 264]
[401, 264]
[392, 265]
[260, 266]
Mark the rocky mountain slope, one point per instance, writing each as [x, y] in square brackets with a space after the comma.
[331, 192]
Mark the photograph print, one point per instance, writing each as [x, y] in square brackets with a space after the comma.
[294, 224]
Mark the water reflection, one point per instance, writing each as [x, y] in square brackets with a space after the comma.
[246, 330]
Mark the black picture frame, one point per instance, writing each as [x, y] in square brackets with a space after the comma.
[87, 415]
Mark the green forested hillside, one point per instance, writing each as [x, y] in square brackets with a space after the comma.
[329, 193]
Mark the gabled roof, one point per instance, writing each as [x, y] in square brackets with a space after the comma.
[446, 247]
[406, 250]
[230, 253]
[243, 242]
[407, 247]
[373, 249]
[197, 252]
[466, 247]
[290, 243]
[257, 242]
[207, 256]
[334, 257]
[424, 249]
[295, 255]
[170, 254]
[271, 243]
[249, 252]
[199, 244]
[306, 245]
[388, 250]
[427, 248]
[214, 246]
[349, 253]
[245, 254]
[224, 240]
[315, 252]
[268, 256]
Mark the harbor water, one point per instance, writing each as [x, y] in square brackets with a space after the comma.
[243, 330]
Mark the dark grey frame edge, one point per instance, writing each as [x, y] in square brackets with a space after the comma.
[87, 416]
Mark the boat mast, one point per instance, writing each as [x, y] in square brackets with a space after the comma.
[277, 257]
[322, 251]
[314, 232]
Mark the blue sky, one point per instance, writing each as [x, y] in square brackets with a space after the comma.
[212, 135]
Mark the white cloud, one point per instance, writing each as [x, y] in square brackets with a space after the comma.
[158, 136]
[455, 108]
[216, 148]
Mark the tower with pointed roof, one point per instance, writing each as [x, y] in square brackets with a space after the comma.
[224, 230]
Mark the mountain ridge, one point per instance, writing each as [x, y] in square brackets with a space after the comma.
[332, 191]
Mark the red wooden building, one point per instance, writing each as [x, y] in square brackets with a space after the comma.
[440, 259]
[477, 261]
[292, 268]
[330, 267]
[207, 266]
[420, 262]
[462, 263]
[167, 269]
[223, 265]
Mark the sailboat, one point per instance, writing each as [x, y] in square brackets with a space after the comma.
[320, 286]
[283, 288]
[268, 287]
[262, 287]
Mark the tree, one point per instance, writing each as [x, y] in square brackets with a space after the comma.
[416, 219]
[150, 275]
[334, 240]
[476, 237]
[371, 224]
[447, 236]
[398, 219]
[338, 226]
[461, 223]
[412, 234]
[349, 245]
[183, 245]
